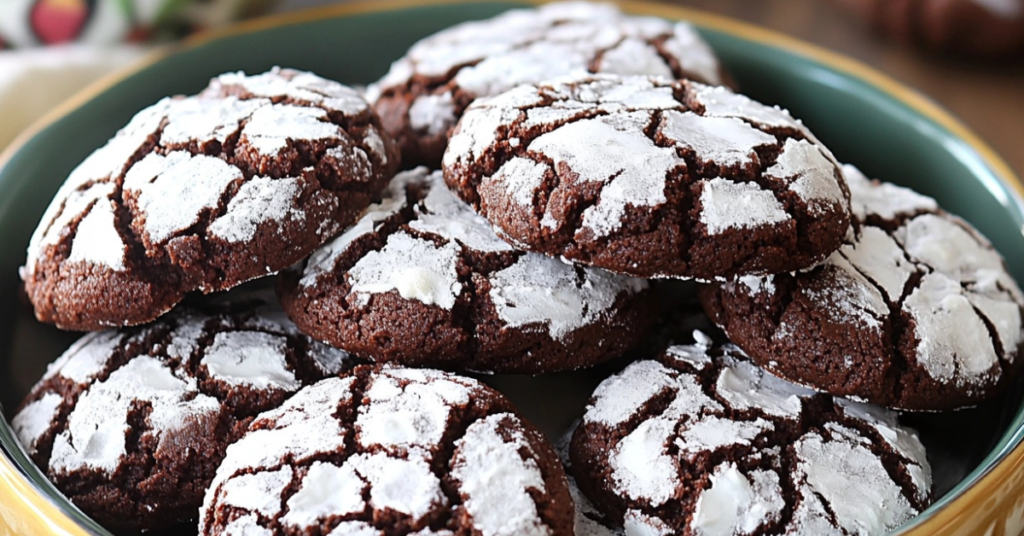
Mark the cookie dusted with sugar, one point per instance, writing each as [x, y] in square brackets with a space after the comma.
[649, 177]
[131, 424]
[422, 280]
[992, 28]
[204, 193]
[702, 442]
[388, 450]
[425, 92]
[916, 311]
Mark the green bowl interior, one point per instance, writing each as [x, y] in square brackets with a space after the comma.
[859, 121]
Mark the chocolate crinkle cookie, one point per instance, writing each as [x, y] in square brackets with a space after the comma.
[204, 193]
[992, 28]
[422, 280]
[649, 177]
[703, 442]
[916, 311]
[132, 424]
[424, 94]
[386, 450]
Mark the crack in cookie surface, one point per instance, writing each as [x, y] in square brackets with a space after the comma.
[465, 299]
[131, 424]
[388, 450]
[916, 311]
[426, 91]
[203, 193]
[703, 442]
[650, 177]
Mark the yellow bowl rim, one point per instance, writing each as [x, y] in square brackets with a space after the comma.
[938, 522]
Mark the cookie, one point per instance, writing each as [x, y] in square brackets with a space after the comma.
[387, 450]
[916, 312]
[968, 27]
[421, 280]
[425, 92]
[703, 442]
[651, 178]
[204, 193]
[131, 424]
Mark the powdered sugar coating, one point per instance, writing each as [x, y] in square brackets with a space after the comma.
[427, 274]
[196, 183]
[726, 141]
[394, 199]
[542, 290]
[619, 150]
[97, 241]
[97, 427]
[240, 181]
[955, 345]
[366, 453]
[735, 503]
[326, 488]
[442, 214]
[927, 275]
[614, 153]
[206, 120]
[652, 456]
[883, 199]
[727, 205]
[433, 114]
[132, 406]
[250, 358]
[498, 479]
[410, 409]
[441, 255]
[260, 200]
[270, 128]
[293, 86]
[442, 73]
[812, 174]
[92, 181]
[33, 420]
[521, 177]
[619, 397]
[826, 468]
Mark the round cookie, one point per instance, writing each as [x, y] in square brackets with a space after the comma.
[425, 92]
[976, 27]
[131, 424]
[917, 311]
[388, 450]
[204, 193]
[650, 177]
[421, 280]
[703, 442]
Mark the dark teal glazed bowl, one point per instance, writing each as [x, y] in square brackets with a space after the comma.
[886, 129]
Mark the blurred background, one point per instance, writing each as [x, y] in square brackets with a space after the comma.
[968, 55]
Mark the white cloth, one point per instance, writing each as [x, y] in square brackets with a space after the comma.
[35, 80]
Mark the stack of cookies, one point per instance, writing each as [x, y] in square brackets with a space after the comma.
[516, 195]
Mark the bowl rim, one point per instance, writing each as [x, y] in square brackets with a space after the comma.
[975, 489]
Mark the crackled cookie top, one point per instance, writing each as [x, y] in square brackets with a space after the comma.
[423, 260]
[131, 424]
[917, 309]
[650, 177]
[387, 450]
[425, 92]
[205, 192]
[702, 442]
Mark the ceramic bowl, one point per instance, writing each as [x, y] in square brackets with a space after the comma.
[888, 130]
